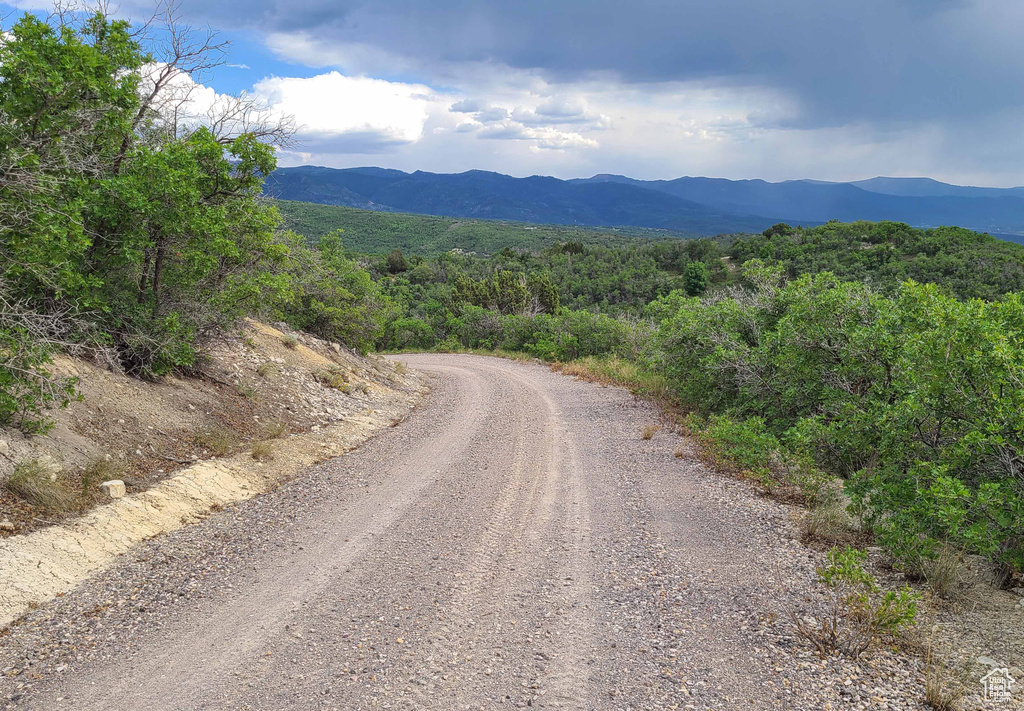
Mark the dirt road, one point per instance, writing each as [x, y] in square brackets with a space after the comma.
[514, 543]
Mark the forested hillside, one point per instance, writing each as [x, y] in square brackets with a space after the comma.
[373, 231]
[692, 205]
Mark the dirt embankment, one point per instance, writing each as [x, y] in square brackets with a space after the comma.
[265, 404]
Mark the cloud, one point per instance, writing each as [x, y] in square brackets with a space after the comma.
[739, 88]
[544, 137]
[344, 114]
[883, 60]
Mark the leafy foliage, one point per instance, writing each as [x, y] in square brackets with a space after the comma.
[885, 254]
[916, 399]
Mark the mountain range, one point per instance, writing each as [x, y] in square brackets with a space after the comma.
[693, 205]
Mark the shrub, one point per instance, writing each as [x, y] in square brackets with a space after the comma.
[857, 612]
[27, 386]
[745, 446]
[649, 431]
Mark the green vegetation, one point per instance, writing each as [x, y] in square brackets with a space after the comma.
[426, 235]
[908, 392]
[885, 254]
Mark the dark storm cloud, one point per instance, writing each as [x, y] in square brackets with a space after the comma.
[872, 60]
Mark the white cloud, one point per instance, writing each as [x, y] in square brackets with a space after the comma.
[345, 114]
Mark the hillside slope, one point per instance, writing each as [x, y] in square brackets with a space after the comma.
[259, 384]
[484, 195]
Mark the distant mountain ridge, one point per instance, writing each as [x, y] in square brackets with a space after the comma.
[692, 205]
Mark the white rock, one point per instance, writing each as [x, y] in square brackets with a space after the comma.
[5, 448]
[989, 662]
[113, 488]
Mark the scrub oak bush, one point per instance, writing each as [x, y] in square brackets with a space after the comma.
[916, 400]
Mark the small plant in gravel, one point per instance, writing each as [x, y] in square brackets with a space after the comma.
[267, 369]
[263, 451]
[40, 485]
[246, 390]
[333, 378]
[649, 431]
[945, 572]
[944, 687]
[218, 440]
[401, 368]
[275, 429]
[857, 612]
[364, 388]
[679, 453]
[289, 341]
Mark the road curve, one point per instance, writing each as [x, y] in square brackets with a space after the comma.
[514, 543]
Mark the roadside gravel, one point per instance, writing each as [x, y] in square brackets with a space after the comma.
[513, 543]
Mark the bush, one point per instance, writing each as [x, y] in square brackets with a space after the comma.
[27, 386]
[917, 401]
[856, 612]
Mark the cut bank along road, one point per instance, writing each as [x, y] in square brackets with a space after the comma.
[514, 543]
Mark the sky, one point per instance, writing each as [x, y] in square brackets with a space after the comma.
[771, 89]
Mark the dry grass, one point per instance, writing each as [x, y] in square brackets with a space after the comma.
[829, 524]
[98, 471]
[218, 440]
[263, 451]
[622, 373]
[945, 572]
[36, 483]
[275, 429]
[267, 369]
[944, 687]
[289, 341]
[649, 431]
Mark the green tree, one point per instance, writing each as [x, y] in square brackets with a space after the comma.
[697, 278]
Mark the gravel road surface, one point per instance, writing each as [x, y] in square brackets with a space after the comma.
[514, 543]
